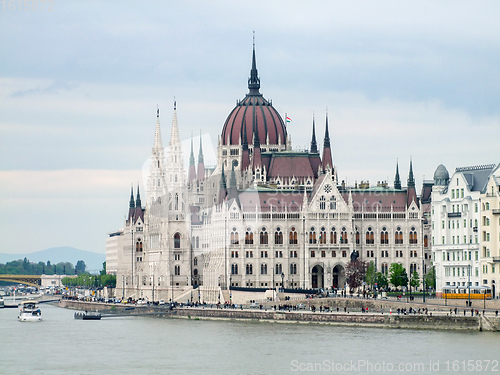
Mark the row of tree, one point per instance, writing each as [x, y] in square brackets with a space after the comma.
[25, 267]
[91, 281]
[358, 272]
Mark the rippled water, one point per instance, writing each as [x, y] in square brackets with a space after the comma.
[147, 345]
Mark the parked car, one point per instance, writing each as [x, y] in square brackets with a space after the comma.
[301, 306]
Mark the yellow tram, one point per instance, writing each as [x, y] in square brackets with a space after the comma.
[462, 292]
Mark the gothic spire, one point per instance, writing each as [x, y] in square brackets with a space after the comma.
[411, 180]
[157, 147]
[397, 180]
[174, 135]
[132, 202]
[201, 163]
[327, 152]
[314, 145]
[192, 170]
[254, 81]
[200, 153]
[326, 142]
[138, 200]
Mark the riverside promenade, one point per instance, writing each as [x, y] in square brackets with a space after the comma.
[340, 311]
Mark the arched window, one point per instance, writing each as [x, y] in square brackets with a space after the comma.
[413, 236]
[343, 236]
[177, 240]
[293, 236]
[385, 268]
[369, 236]
[263, 269]
[177, 270]
[426, 241]
[333, 236]
[333, 203]
[234, 237]
[358, 240]
[249, 237]
[322, 236]
[312, 236]
[249, 269]
[322, 202]
[234, 269]
[264, 238]
[413, 268]
[398, 236]
[195, 272]
[384, 237]
[293, 269]
[278, 236]
[144, 280]
[176, 202]
[138, 246]
[195, 261]
[279, 269]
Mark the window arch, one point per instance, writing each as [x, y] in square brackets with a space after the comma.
[398, 236]
[249, 269]
[369, 236]
[413, 268]
[322, 202]
[293, 236]
[234, 269]
[263, 269]
[413, 236]
[385, 268]
[279, 269]
[293, 269]
[264, 238]
[333, 203]
[358, 239]
[234, 237]
[195, 272]
[322, 236]
[195, 261]
[384, 236]
[343, 236]
[426, 241]
[176, 202]
[278, 236]
[333, 236]
[177, 240]
[177, 270]
[249, 237]
[138, 246]
[312, 236]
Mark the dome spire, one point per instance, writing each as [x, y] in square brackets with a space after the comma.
[254, 81]
[397, 180]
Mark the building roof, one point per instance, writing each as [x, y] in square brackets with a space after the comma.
[288, 164]
[377, 199]
[477, 176]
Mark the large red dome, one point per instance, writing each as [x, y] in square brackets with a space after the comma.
[256, 115]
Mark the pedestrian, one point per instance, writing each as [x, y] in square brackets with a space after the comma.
[496, 312]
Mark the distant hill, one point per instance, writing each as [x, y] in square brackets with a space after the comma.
[92, 260]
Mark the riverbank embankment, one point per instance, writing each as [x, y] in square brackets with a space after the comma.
[434, 321]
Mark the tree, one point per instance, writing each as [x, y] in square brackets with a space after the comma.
[371, 274]
[80, 267]
[355, 273]
[430, 278]
[397, 275]
[103, 271]
[382, 282]
[415, 279]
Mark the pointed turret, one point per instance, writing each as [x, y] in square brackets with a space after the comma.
[157, 146]
[397, 180]
[314, 145]
[233, 189]
[201, 163]
[192, 170]
[245, 157]
[138, 199]
[139, 213]
[222, 189]
[254, 81]
[327, 152]
[411, 193]
[174, 167]
[131, 209]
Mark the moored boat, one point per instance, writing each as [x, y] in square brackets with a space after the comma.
[29, 312]
[88, 315]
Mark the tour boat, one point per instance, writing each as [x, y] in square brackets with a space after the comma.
[88, 315]
[29, 312]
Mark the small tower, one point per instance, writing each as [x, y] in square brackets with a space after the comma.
[411, 194]
[397, 180]
[201, 163]
[314, 145]
[192, 171]
[327, 152]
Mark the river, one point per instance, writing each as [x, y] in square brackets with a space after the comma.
[150, 345]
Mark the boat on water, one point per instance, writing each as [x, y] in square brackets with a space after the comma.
[88, 315]
[29, 312]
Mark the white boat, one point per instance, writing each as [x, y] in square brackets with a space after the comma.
[29, 312]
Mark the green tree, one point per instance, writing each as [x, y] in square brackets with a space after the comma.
[371, 274]
[103, 271]
[415, 279]
[397, 275]
[430, 278]
[382, 282]
[80, 267]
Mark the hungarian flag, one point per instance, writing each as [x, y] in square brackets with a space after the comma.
[288, 119]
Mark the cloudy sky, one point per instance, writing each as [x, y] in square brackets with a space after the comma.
[79, 86]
